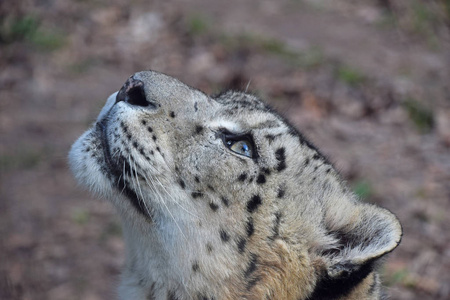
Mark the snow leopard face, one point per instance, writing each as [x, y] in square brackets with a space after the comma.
[222, 199]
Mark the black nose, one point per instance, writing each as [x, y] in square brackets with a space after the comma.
[133, 92]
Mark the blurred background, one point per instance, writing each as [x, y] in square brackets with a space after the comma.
[368, 81]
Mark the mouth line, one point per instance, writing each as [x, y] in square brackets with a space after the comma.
[117, 182]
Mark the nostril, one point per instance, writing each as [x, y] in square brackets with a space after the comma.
[136, 95]
[133, 93]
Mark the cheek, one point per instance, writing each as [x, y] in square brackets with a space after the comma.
[213, 165]
[209, 162]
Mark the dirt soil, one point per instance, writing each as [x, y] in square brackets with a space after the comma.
[366, 81]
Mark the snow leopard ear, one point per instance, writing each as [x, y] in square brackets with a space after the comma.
[362, 234]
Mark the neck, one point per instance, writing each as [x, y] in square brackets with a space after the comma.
[169, 264]
[167, 258]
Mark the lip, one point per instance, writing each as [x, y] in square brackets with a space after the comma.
[118, 180]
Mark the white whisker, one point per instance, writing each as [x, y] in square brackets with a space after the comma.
[175, 201]
[248, 85]
[139, 186]
[161, 199]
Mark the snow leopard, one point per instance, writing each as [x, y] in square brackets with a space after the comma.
[221, 198]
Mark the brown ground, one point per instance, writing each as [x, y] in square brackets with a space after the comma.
[366, 81]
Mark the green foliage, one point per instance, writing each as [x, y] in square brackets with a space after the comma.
[350, 75]
[28, 29]
[446, 4]
[80, 216]
[397, 277]
[422, 17]
[18, 29]
[197, 25]
[274, 46]
[421, 116]
[47, 40]
[307, 59]
[313, 57]
[400, 277]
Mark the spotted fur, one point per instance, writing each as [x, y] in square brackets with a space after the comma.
[202, 221]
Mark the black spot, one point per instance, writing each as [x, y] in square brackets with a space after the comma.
[328, 170]
[270, 137]
[266, 171]
[171, 296]
[224, 235]
[210, 188]
[242, 177]
[209, 248]
[306, 163]
[124, 127]
[280, 155]
[182, 184]
[225, 201]
[196, 194]
[203, 297]
[241, 244]
[254, 203]
[129, 136]
[195, 266]
[261, 179]
[172, 114]
[149, 129]
[315, 168]
[276, 226]
[281, 192]
[154, 138]
[316, 156]
[198, 129]
[135, 144]
[197, 179]
[157, 149]
[151, 293]
[252, 282]
[250, 228]
[251, 266]
[213, 206]
[195, 106]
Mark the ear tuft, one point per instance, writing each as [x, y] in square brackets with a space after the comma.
[342, 269]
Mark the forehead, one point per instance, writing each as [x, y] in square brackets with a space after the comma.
[247, 112]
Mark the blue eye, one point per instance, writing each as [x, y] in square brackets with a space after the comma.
[242, 145]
